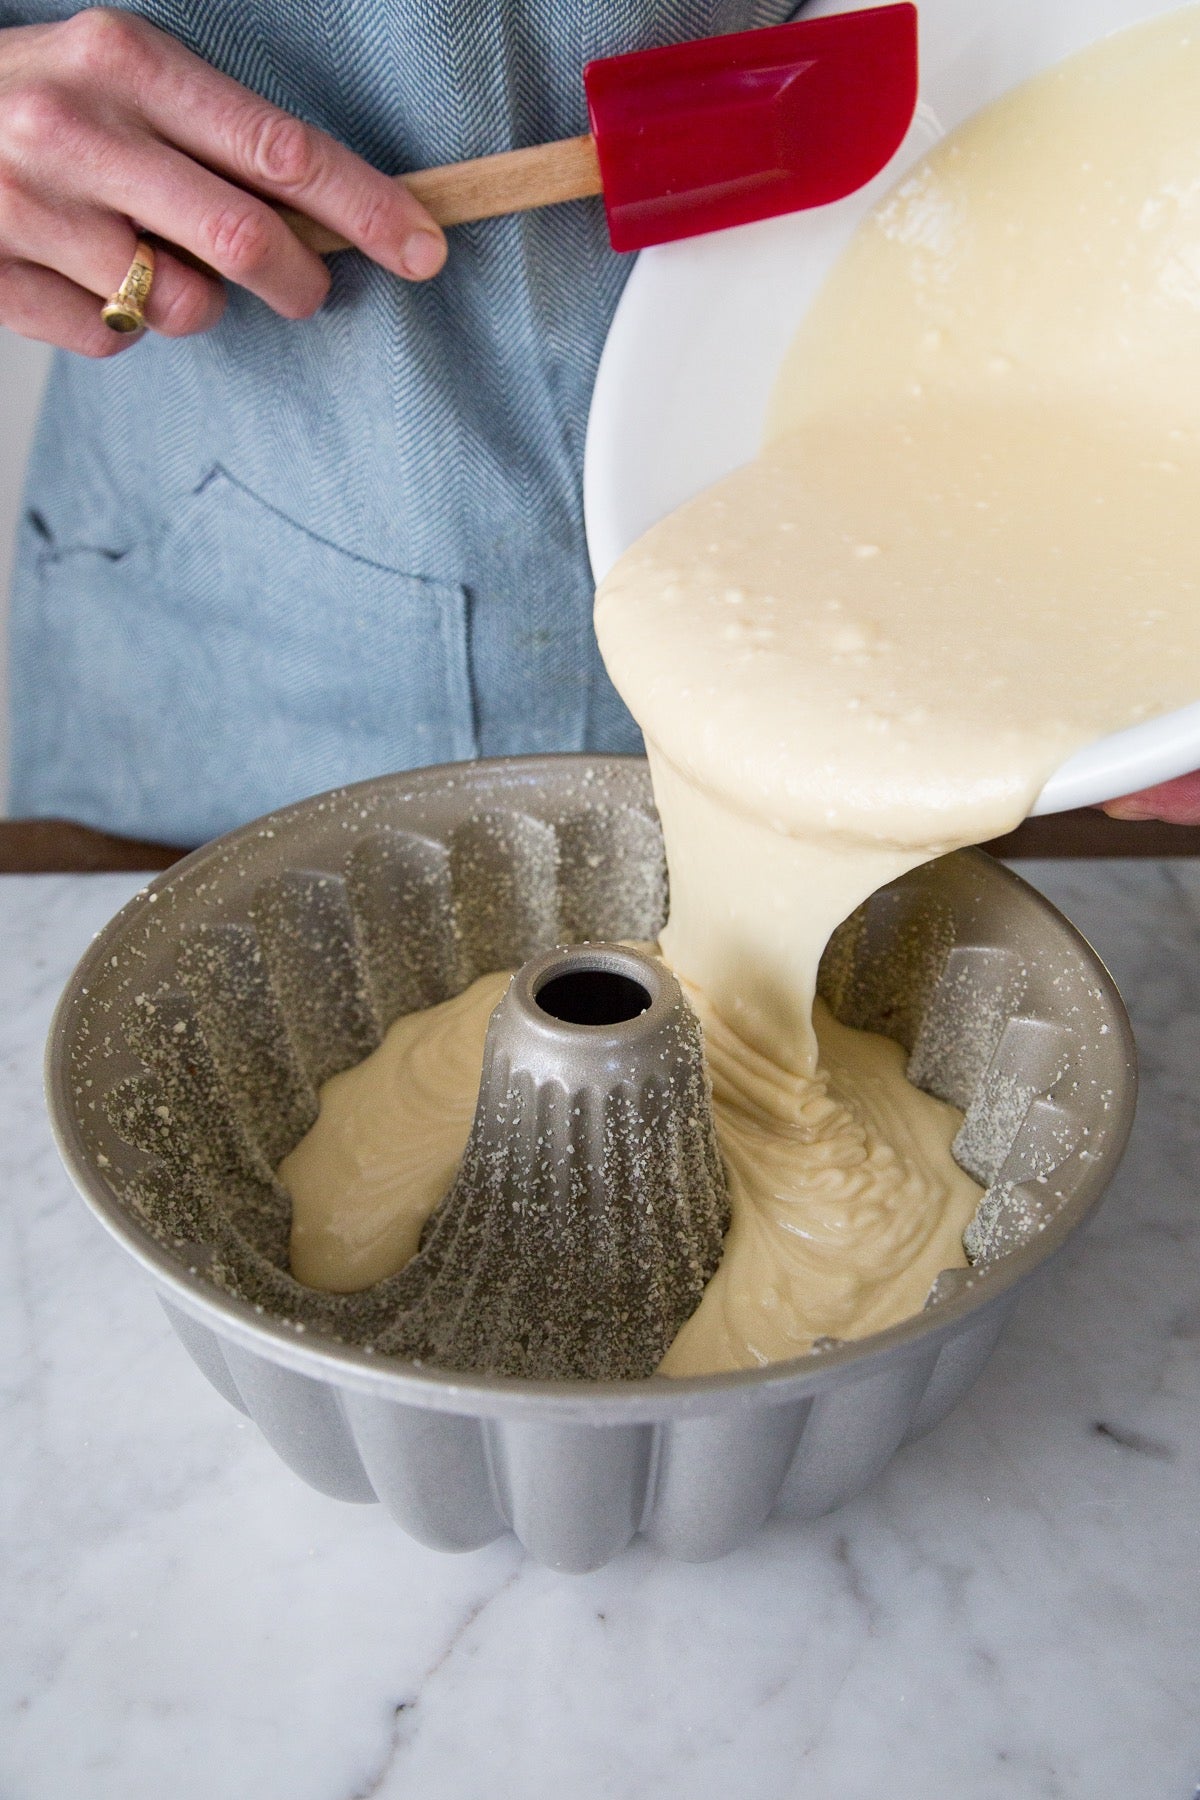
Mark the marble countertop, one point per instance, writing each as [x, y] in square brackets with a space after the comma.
[1013, 1610]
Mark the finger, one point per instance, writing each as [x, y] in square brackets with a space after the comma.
[183, 301]
[94, 250]
[1177, 802]
[230, 129]
[235, 233]
[38, 303]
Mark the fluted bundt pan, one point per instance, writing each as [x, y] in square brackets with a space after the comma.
[187, 1052]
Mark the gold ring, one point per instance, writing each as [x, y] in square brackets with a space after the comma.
[124, 311]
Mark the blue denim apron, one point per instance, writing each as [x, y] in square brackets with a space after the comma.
[281, 556]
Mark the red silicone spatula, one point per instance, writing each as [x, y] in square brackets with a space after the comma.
[698, 136]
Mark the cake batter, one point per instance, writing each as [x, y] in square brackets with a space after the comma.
[967, 550]
[846, 1202]
[969, 547]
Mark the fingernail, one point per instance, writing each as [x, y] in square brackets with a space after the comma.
[423, 254]
[1129, 809]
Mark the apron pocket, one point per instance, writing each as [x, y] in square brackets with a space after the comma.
[237, 662]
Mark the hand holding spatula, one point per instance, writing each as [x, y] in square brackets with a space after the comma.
[699, 136]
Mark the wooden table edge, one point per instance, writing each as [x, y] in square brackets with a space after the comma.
[62, 847]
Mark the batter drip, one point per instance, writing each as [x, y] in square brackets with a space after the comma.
[968, 548]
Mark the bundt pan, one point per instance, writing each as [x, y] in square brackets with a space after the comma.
[186, 1055]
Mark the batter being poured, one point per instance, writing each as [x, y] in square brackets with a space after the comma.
[967, 550]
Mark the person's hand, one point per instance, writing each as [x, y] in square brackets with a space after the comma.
[106, 124]
[1178, 802]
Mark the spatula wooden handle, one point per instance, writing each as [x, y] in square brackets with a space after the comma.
[513, 181]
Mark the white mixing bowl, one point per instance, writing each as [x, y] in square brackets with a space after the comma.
[681, 395]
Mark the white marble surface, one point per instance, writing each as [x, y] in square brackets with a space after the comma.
[1014, 1610]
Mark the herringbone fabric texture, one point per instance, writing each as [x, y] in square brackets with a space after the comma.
[284, 556]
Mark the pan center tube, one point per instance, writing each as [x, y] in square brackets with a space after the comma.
[582, 994]
[589, 1209]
